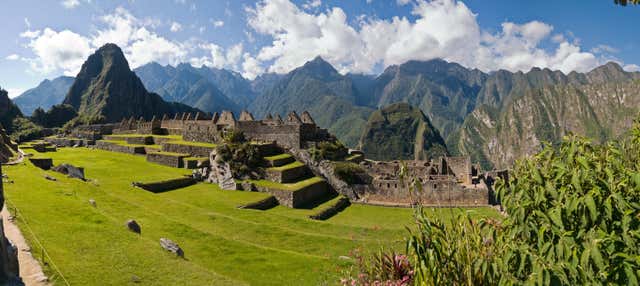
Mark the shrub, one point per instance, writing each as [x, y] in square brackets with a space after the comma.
[334, 151]
[25, 130]
[349, 172]
[243, 158]
[57, 116]
[234, 136]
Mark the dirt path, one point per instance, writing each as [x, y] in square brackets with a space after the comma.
[30, 269]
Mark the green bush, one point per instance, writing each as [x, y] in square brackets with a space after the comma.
[25, 130]
[349, 172]
[243, 159]
[57, 116]
[234, 136]
[334, 151]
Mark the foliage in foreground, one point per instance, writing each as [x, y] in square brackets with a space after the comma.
[572, 218]
[334, 151]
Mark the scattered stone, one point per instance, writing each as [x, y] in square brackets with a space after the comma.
[171, 246]
[132, 225]
[135, 279]
[42, 163]
[342, 257]
[71, 171]
[92, 202]
[248, 186]
[50, 178]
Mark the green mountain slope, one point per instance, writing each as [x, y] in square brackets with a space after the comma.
[401, 132]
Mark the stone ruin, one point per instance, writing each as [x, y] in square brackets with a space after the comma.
[444, 181]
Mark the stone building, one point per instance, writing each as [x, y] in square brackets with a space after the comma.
[444, 181]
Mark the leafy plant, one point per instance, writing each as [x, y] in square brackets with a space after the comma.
[349, 172]
[334, 151]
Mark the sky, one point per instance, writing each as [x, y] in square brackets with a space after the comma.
[46, 39]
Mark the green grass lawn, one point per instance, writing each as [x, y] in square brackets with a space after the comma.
[123, 136]
[223, 245]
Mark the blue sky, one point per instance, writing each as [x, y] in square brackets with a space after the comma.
[46, 39]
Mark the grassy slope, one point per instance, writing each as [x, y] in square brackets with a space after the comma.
[223, 245]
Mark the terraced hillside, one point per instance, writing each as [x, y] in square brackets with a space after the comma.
[222, 244]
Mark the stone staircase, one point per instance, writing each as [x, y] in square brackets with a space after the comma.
[292, 183]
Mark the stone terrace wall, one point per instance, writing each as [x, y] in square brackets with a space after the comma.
[289, 175]
[170, 160]
[299, 198]
[67, 142]
[198, 151]
[119, 148]
[140, 140]
[42, 163]
[168, 185]
[332, 210]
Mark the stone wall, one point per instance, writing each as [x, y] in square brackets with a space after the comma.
[140, 140]
[300, 198]
[42, 163]
[200, 131]
[265, 204]
[324, 169]
[461, 167]
[332, 210]
[69, 142]
[9, 268]
[170, 160]
[286, 135]
[437, 192]
[167, 185]
[197, 151]
[113, 147]
[288, 175]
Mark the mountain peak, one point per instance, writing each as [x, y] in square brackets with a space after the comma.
[610, 71]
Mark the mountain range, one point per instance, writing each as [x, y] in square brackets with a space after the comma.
[45, 95]
[495, 117]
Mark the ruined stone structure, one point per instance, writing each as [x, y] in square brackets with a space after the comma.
[294, 132]
[446, 181]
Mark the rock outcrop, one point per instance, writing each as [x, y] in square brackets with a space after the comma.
[9, 268]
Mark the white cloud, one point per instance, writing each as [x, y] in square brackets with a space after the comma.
[175, 27]
[403, 2]
[632, 68]
[64, 50]
[604, 49]
[217, 57]
[30, 34]
[70, 4]
[27, 23]
[312, 4]
[12, 57]
[251, 67]
[218, 23]
[445, 29]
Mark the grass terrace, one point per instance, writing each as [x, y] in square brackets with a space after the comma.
[192, 143]
[295, 164]
[122, 143]
[171, 154]
[223, 245]
[287, 187]
[278, 157]
[123, 136]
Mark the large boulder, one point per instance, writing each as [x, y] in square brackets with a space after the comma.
[171, 246]
[220, 172]
[132, 225]
[71, 171]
